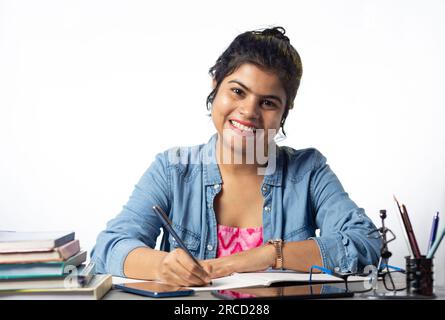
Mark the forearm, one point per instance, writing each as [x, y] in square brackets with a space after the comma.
[301, 255]
[143, 263]
[298, 256]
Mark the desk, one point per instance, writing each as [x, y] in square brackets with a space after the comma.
[116, 294]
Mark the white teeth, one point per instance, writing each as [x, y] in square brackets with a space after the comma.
[241, 126]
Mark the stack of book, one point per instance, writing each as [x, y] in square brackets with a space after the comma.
[47, 265]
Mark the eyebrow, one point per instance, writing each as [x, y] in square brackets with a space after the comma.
[249, 90]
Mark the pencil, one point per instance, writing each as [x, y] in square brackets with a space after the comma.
[410, 232]
[402, 226]
[168, 225]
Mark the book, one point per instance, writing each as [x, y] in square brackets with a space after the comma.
[95, 290]
[72, 280]
[41, 269]
[259, 279]
[58, 254]
[21, 241]
[267, 278]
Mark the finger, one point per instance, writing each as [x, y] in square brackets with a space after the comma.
[188, 276]
[218, 273]
[207, 267]
[217, 268]
[180, 270]
[169, 275]
[176, 271]
[191, 265]
[169, 271]
[177, 280]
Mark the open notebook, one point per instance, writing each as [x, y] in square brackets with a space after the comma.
[259, 279]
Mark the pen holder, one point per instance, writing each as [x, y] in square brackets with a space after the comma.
[419, 276]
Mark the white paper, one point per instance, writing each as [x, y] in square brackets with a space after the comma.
[257, 279]
[264, 279]
[120, 280]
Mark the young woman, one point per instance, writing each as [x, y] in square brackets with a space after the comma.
[240, 203]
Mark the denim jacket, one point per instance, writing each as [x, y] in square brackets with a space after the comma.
[300, 196]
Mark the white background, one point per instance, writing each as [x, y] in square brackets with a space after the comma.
[90, 91]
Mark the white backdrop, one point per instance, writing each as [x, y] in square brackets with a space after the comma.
[90, 91]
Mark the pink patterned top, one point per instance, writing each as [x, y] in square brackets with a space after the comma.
[232, 239]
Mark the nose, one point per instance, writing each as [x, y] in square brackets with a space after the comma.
[249, 108]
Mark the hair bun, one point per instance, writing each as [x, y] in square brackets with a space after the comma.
[277, 32]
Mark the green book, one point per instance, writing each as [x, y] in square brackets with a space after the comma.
[74, 280]
[41, 269]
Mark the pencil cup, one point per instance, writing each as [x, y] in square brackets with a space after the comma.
[419, 276]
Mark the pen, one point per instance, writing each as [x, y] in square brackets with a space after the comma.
[436, 244]
[433, 230]
[168, 225]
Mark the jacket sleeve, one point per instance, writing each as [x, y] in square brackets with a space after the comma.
[344, 243]
[136, 225]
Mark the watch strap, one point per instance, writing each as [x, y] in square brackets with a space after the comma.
[278, 245]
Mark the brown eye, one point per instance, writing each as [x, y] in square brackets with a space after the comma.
[269, 104]
[237, 91]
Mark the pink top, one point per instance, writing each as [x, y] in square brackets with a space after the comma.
[232, 239]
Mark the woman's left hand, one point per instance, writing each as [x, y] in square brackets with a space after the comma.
[257, 259]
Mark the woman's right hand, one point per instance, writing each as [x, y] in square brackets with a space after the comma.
[177, 268]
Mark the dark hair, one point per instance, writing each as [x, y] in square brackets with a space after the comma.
[269, 49]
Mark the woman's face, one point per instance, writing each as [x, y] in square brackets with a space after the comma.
[249, 102]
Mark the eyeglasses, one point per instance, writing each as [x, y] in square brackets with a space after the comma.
[393, 278]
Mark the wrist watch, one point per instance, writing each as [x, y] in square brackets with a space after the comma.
[278, 244]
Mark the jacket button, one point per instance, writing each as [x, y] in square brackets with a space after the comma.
[216, 186]
[209, 247]
[264, 188]
[267, 209]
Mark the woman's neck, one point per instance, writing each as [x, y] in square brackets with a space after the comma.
[227, 165]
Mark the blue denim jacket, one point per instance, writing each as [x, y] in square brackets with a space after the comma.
[300, 196]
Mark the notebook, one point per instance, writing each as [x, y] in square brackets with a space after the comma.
[95, 290]
[265, 279]
[20, 241]
[41, 269]
[259, 279]
[58, 254]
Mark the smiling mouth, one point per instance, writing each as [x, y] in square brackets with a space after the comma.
[242, 127]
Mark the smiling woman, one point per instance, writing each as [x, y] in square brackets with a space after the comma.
[249, 103]
[254, 205]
